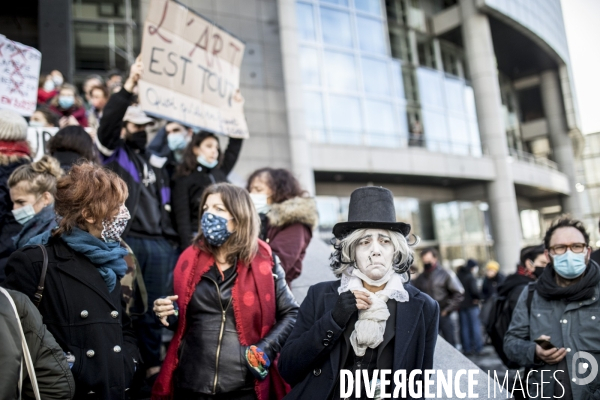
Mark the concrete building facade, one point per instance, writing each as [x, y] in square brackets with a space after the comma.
[463, 108]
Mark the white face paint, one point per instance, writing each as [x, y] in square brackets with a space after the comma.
[375, 253]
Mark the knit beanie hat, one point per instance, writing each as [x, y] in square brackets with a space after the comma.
[13, 127]
[471, 263]
[493, 266]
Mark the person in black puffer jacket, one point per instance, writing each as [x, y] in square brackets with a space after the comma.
[14, 152]
[201, 167]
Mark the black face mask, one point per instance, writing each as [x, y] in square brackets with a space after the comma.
[137, 140]
[428, 266]
[538, 271]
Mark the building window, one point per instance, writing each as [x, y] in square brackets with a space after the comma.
[335, 26]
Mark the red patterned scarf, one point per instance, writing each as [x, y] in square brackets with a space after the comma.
[19, 148]
[256, 320]
[521, 270]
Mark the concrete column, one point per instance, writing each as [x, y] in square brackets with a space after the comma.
[294, 96]
[506, 226]
[562, 146]
[55, 37]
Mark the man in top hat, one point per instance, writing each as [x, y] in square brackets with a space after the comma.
[368, 319]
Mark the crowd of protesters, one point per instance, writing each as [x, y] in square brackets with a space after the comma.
[112, 238]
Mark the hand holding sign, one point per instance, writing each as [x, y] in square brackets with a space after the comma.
[135, 74]
[192, 71]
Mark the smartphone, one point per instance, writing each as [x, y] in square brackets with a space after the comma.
[545, 344]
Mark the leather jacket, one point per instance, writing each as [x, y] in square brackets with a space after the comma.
[443, 286]
[211, 358]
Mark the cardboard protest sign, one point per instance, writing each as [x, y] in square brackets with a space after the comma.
[191, 71]
[19, 76]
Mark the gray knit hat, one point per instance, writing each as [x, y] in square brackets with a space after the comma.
[13, 127]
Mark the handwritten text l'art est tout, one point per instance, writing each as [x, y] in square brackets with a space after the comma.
[191, 70]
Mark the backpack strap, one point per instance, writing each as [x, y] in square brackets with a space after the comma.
[40, 289]
[530, 292]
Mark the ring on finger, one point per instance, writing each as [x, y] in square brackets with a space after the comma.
[158, 314]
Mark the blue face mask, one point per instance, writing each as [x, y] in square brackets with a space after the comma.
[24, 214]
[204, 162]
[569, 265]
[66, 102]
[176, 141]
[214, 229]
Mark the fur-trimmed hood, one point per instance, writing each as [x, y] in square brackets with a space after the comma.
[297, 210]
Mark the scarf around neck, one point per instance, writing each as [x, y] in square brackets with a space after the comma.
[19, 148]
[108, 258]
[582, 290]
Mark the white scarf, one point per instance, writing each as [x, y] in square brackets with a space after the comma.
[370, 327]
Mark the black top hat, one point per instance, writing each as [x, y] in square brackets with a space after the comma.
[371, 207]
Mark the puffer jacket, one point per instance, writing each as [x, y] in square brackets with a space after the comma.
[52, 371]
[287, 228]
[574, 326]
[443, 286]
[198, 346]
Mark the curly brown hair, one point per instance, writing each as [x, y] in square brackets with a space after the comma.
[88, 191]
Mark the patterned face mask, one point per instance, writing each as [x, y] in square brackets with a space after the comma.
[112, 230]
[214, 228]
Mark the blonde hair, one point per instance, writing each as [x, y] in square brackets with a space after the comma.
[39, 177]
[345, 249]
[243, 243]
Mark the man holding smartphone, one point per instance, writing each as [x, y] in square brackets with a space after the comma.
[559, 338]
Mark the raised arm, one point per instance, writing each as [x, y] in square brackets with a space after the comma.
[234, 147]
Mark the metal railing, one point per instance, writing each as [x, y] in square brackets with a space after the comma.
[532, 159]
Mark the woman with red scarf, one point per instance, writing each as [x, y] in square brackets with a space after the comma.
[232, 310]
[14, 152]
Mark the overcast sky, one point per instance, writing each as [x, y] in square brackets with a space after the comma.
[582, 22]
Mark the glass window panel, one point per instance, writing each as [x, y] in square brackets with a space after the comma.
[473, 222]
[381, 126]
[313, 111]
[459, 135]
[455, 95]
[530, 224]
[375, 76]
[91, 51]
[430, 88]
[336, 27]
[306, 21]
[346, 119]
[435, 131]
[370, 6]
[397, 79]
[371, 35]
[340, 70]
[470, 102]
[447, 222]
[329, 210]
[338, 2]
[309, 64]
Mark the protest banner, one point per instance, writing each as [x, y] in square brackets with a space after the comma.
[191, 71]
[20, 66]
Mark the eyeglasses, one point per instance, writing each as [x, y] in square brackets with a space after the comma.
[562, 248]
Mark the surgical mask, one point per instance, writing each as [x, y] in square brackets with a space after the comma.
[49, 85]
[137, 140]
[376, 283]
[58, 80]
[569, 265]
[176, 141]
[66, 102]
[24, 214]
[214, 229]
[36, 124]
[112, 230]
[208, 164]
[260, 202]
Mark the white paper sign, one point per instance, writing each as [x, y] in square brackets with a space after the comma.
[19, 76]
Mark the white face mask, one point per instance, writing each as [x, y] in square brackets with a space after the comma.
[24, 214]
[381, 281]
[260, 202]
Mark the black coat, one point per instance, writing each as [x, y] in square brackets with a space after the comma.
[187, 191]
[471, 296]
[310, 359]
[83, 316]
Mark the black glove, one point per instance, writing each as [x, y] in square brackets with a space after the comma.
[344, 308]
